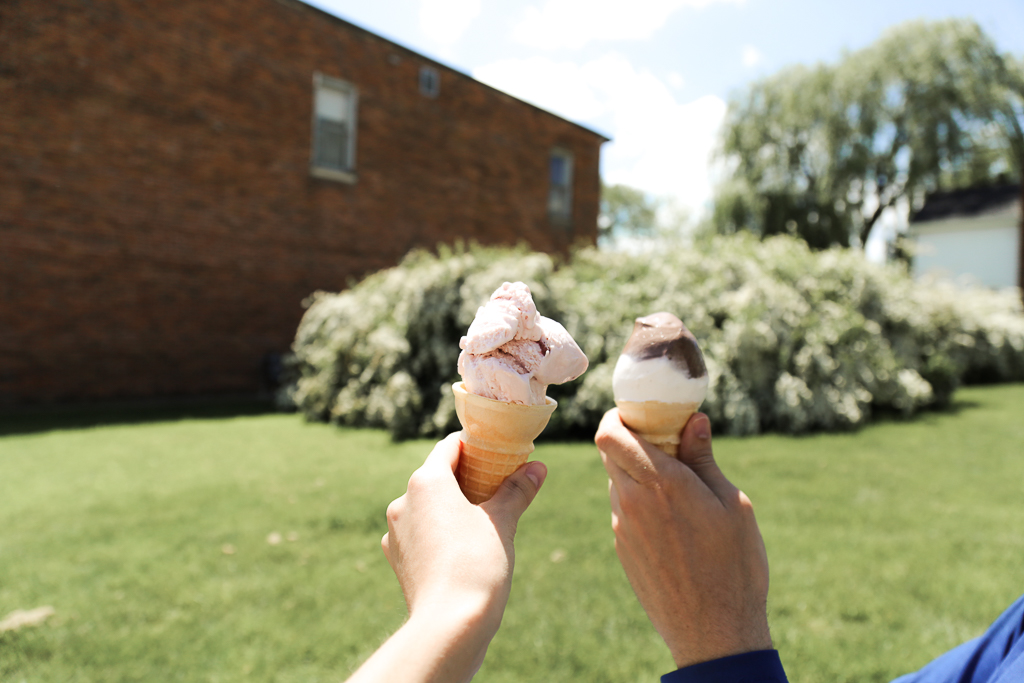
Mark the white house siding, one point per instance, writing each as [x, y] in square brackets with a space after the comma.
[984, 248]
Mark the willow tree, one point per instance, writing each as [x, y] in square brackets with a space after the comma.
[823, 151]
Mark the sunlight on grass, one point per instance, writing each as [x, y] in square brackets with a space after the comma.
[887, 547]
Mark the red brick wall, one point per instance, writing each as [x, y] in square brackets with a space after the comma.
[159, 227]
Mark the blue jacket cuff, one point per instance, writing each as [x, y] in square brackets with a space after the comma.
[763, 666]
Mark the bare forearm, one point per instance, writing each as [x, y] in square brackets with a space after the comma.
[454, 561]
[440, 647]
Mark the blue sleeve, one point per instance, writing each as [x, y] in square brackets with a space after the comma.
[763, 666]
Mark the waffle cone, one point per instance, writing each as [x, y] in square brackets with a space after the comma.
[497, 438]
[657, 422]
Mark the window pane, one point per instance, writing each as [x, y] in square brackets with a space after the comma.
[430, 81]
[558, 204]
[331, 144]
[558, 168]
[560, 185]
[331, 105]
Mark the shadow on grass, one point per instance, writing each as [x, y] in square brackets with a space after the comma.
[574, 434]
[35, 419]
[953, 407]
[885, 416]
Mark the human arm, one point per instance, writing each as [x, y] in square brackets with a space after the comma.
[454, 562]
[689, 543]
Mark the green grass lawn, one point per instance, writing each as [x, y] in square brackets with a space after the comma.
[150, 538]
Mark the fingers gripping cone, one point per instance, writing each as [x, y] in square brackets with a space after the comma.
[657, 422]
[497, 438]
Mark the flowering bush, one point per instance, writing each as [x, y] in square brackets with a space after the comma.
[794, 340]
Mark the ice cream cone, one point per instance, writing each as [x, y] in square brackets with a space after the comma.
[657, 422]
[497, 438]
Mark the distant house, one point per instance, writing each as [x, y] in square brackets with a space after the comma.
[975, 233]
[176, 177]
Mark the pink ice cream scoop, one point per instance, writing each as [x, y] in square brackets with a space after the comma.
[511, 353]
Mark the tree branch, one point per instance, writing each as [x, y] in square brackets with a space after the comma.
[869, 223]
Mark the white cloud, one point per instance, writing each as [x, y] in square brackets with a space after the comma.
[559, 87]
[659, 145]
[574, 23]
[445, 21]
[675, 79]
[751, 55]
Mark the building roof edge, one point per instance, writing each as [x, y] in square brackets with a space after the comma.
[966, 202]
[302, 4]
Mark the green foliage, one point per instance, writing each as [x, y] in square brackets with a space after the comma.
[887, 548]
[384, 353]
[795, 340]
[822, 151]
[625, 211]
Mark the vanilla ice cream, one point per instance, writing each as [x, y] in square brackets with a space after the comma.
[661, 362]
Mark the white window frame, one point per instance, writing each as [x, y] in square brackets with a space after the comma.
[563, 215]
[322, 82]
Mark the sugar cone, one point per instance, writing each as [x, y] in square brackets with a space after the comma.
[497, 438]
[657, 422]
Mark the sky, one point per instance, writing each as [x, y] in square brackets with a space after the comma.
[653, 75]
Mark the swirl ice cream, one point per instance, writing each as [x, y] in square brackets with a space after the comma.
[660, 379]
[511, 353]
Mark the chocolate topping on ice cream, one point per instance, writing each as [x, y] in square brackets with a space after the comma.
[664, 335]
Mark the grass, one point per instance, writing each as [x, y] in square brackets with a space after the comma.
[887, 547]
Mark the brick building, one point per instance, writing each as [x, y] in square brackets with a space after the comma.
[175, 178]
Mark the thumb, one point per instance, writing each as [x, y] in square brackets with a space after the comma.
[515, 494]
[696, 453]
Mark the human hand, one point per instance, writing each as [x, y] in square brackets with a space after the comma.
[688, 541]
[453, 559]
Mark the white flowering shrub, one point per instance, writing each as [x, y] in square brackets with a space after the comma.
[794, 340]
[384, 353]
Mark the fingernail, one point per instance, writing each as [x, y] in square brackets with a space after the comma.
[536, 472]
[704, 429]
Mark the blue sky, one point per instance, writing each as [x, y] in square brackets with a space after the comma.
[654, 75]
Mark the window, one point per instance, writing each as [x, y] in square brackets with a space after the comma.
[560, 191]
[430, 81]
[334, 129]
